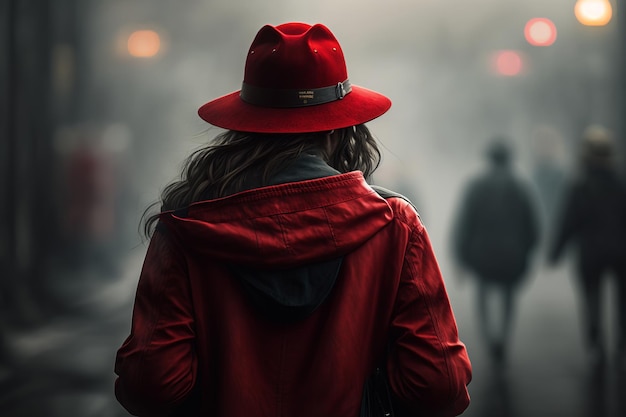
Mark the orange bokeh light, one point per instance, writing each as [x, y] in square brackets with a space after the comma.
[593, 12]
[540, 31]
[508, 63]
[144, 43]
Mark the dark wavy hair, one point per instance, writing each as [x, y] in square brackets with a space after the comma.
[233, 158]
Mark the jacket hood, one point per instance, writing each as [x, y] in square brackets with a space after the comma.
[285, 242]
[283, 226]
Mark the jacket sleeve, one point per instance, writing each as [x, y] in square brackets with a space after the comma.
[570, 222]
[156, 365]
[428, 366]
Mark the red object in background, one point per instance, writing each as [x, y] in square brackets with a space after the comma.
[90, 181]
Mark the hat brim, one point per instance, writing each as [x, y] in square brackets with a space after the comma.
[359, 106]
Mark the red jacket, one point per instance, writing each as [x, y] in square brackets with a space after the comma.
[278, 301]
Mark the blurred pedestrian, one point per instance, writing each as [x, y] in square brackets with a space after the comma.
[277, 279]
[495, 232]
[593, 218]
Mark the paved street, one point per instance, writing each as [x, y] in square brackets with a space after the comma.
[547, 374]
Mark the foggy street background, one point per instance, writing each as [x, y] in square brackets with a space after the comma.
[92, 133]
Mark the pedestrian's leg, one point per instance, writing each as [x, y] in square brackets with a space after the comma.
[495, 306]
[482, 307]
[498, 322]
[620, 305]
[508, 313]
[591, 311]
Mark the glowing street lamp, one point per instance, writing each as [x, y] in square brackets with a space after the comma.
[593, 12]
[540, 31]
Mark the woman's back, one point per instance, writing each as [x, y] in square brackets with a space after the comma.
[386, 285]
[277, 279]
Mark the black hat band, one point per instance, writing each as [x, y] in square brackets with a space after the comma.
[285, 98]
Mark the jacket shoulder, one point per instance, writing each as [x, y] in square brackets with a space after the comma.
[387, 194]
[401, 205]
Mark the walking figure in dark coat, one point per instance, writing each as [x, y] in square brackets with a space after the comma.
[593, 218]
[496, 229]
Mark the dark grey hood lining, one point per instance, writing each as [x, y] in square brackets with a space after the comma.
[293, 294]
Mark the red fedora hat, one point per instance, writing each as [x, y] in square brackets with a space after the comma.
[295, 81]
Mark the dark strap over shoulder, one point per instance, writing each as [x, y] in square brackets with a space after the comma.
[386, 194]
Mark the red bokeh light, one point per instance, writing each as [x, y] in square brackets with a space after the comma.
[540, 31]
[508, 63]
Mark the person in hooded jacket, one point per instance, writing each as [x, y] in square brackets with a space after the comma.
[277, 279]
[593, 220]
[496, 229]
